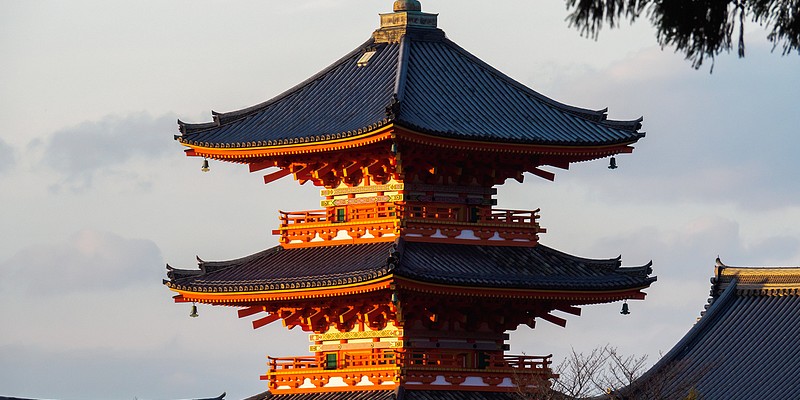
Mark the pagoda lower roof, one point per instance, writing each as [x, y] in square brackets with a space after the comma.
[425, 83]
[477, 266]
[400, 394]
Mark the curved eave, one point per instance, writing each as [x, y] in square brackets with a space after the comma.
[330, 143]
[250, 294]
[333, 143]
[455, 140]
[587, 296]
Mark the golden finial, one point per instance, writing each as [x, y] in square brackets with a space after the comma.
[407, 5]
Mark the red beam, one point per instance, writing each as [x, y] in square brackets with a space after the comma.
[319, 173]
[555, 320]
[276, 175]
[266, 320]
[347, 315]
[258, 166]
[543, 174]
[246, 312]
[569, 309]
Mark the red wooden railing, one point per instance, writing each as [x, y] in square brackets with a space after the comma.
[411, 359]
[432, 213]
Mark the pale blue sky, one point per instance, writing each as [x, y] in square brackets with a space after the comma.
[97, 197]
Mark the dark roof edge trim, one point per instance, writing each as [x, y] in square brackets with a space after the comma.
[402, 68]
[593, 115]
[697, 330]
[223, 118]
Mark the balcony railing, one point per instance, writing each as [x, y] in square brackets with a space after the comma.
[287, 374]
[411, 360]
[370, 221]
[288, 364]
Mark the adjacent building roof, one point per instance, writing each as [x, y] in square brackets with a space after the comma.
[745, 346]
[424, 82]
[535, 268]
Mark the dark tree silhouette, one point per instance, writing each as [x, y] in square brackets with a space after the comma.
[700, 29]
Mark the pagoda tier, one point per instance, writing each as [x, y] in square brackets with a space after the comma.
[408, 277]
[413, 107]
[417, 313]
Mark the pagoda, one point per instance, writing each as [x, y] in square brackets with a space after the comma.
[408, 278]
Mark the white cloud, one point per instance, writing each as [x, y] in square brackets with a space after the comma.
[721, 138]
[82, 152]
[89, 260]
[7, 156]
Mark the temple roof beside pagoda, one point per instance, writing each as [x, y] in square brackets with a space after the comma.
[528, 268]
[423, 82]
[747, 343]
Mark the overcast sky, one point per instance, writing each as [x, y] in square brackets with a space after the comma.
[97, 196]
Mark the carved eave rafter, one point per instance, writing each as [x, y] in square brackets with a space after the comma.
[575, 297]
[396, 152]
[496, 161]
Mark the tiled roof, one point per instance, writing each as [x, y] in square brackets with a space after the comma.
[746, 345]
[538, 267]
[425, 83]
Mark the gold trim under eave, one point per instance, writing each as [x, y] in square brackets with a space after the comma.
[518, 147]
[485, 289]
[233, 151]
[284, 291]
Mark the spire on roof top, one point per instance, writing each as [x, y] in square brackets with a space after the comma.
[407, 18]
[407, 5]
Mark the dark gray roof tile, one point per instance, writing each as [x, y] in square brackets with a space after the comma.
[746, 346]
[442, 90]
[538, 267]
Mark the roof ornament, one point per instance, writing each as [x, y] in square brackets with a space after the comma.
[406, 18]
[393, 108]
[407, 5]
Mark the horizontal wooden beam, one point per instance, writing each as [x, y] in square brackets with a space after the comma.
[266, 320]
[569, 309]
[246, 312]
[543, 174]
[553, 319]
[258, 166]
[276, 175]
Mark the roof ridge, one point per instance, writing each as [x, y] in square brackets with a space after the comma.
[402, 68]
[696, 330]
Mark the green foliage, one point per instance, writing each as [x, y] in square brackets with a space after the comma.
[700, 29]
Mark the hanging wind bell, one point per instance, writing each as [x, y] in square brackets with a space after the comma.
[625, 310]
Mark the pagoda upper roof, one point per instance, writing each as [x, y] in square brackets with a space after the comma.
[481, 266]
[423, 82]
[746, 344]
